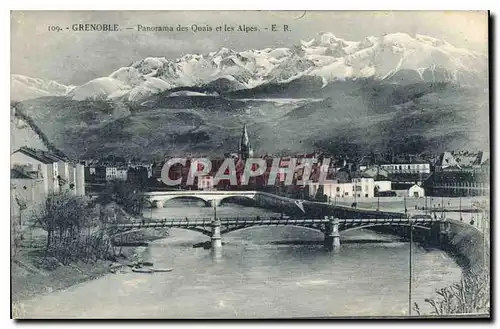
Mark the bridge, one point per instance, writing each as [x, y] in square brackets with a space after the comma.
[159, 198]
[214, 227]
[287, 205]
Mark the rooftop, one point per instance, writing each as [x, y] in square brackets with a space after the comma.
[41, 155]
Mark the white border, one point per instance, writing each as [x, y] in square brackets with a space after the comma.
[195, 5]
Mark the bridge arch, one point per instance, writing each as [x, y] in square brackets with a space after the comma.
[201, 230]
[185, 197]
[383, 224]
[244, 199]
[245, 227]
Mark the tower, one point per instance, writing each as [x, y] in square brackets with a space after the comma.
[245, 150]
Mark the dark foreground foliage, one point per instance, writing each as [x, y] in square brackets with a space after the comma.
[471, 295]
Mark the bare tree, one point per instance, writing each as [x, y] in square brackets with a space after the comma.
[75, 228]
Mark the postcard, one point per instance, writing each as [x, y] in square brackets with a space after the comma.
[250, 164]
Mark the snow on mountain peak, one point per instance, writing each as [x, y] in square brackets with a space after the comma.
[23, 87]
[100, 88]
[326, 56]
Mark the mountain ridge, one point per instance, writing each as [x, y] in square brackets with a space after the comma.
[394, 57]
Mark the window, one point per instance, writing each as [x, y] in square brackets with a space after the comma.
[338, 188]
[366, 195]
[347, 193]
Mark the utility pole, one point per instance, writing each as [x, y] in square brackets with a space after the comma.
[442, 206]
[460, 207]
[378, 192]
[484, 239]
[404, 198]
[410, 266]
[355, 190]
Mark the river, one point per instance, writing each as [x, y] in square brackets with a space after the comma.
[263, 274]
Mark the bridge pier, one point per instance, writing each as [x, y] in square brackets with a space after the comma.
[332, 235]
[214, 203]
[158, 203]
[440, 234]
[444, 233]
[216, 239]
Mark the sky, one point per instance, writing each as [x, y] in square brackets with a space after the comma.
[74, 58]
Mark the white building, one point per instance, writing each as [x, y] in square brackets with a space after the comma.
[416, 191]
[364, 187]
[383, 185]
[407, 168]
[26, 188]
[54, 172]
[358, 188]
[116, 173]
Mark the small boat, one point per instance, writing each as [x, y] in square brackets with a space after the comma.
[162, 269]
[142, 270]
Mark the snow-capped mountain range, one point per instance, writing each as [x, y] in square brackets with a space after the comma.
[23, 87]
[392, 57]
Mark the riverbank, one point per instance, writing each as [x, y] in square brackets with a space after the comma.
[469, 247]
[33, 274]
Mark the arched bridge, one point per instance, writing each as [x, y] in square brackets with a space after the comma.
[291, 207]
[330, 226]
[230, 224]
[158, 199]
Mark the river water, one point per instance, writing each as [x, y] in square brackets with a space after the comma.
[264, 273]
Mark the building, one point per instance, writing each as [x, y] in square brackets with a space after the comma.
[383, 185]
[245, 149]
[416, 191]
[405, 181]
[461, 173]
[206, 182]
[362, 188]
[28, 188]
[116, 173]
[95, 174]
[462, 161]
[138, 175]
[41, 165]
[406, 168]
[458, 184]
[374, 171]
[56, 172]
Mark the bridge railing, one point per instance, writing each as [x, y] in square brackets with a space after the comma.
[190, 222]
